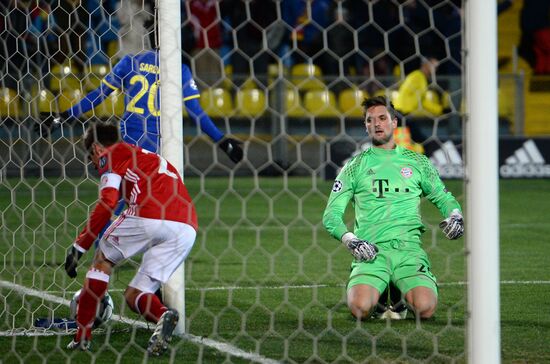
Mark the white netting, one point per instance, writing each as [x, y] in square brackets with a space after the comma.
[264, 282]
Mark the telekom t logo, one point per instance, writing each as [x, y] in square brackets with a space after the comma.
[383, 185]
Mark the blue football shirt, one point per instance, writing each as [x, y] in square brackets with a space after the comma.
[138, 76]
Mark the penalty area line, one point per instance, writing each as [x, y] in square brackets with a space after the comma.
[220, 346]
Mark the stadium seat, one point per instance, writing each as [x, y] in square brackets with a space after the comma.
[349, 101]
[68, 98]
[94, 74]
[46, 102]
[446, 101]
[321, 103]
[113, 105]
[250, 102]
[293, 103]
[10, 104]
[63, 76]
[505, 107]
[59, 82]
[216, 102]
[228, 74]
[307, 77]
[391, 93]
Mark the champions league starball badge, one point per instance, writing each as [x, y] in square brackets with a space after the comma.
[337, 186]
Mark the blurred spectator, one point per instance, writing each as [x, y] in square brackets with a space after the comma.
[372, 21]
[308, 18]
[205, 17]
[26, 39]
[102, 39]
[534, 45]
[448, 22]
[340, 37]
[250, 55]
[71, 23]
[410, 97]
[134, 16]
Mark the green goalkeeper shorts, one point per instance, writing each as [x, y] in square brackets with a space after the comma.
[405, 264]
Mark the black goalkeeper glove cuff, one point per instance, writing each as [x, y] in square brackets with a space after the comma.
[71, 261]
[232, 148]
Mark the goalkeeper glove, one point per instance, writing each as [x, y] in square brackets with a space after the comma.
[453, 226]
[362, 250]
[51, 123]
[71, 261]
[231, 147]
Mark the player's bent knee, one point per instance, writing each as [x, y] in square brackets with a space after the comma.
[362, 299]
[361, 309]
[424, 307]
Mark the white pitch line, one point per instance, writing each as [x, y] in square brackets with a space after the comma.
[308, 286]
[220, 346]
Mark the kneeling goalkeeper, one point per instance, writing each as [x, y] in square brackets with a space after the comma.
[385, 184]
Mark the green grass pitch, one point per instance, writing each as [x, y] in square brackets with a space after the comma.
[266, 279]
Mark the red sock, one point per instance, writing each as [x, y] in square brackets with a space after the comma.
[150, 307]
[94, 289]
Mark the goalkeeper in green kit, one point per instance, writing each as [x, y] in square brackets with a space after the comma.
[385, 184]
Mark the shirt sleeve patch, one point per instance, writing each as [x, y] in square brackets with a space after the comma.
[337, 186]
[102, 162]
[111, 180]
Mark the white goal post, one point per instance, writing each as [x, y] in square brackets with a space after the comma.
[483, 336]
[171, 125]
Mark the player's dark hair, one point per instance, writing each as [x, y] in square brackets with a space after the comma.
[379, 101]
[105, 134]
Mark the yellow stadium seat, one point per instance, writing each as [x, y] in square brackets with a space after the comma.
[307, 76]
[113, 105]
[216, 102]
[349, 101]
[251, 102]
[388, 93]
[321, 103]
[446, 101]
[68, 98]
[63, 69]
[64, 76]
[94, 74]
[10, 104]
[46, 102]
[293, 103]
[61, 82]
[506, 102]
[228, 74]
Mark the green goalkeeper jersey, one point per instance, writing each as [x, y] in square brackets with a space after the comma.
[385, 187]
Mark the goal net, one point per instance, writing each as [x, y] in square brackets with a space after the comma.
[264, 281]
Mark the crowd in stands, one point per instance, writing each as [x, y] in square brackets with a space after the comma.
[364, 44]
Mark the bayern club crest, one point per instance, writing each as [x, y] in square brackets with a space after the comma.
[406, 172]
[337, 186]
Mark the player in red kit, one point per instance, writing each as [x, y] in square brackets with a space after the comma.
[159, 221]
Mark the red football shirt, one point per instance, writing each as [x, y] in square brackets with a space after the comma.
[151, 186]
